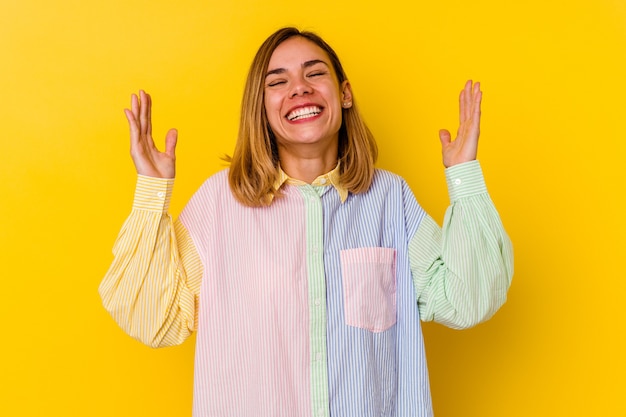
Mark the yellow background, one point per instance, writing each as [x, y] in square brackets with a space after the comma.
[552, 148]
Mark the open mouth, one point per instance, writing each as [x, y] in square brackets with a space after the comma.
[303, 113]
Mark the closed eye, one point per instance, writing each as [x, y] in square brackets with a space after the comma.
[275, 83]
[317, 73]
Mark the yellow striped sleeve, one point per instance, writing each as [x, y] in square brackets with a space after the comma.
[462, 273]
[151, 288]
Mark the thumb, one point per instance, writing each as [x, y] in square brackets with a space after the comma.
[170, 142]
[445, 137]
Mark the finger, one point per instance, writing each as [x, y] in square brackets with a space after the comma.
[476, 88]
[134, 106]
[462, 106]
[467, 95]
[171, 139]
[149, 114]
[132, 122]
[143, 112]
[476, 107]
[132, 125]
[463, 103]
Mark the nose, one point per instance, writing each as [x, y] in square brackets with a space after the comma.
[299, 87]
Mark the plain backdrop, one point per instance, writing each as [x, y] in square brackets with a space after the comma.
[552, 149]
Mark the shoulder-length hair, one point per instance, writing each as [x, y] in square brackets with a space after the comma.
[254, 164]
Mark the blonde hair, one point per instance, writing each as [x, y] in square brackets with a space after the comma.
[254, 164]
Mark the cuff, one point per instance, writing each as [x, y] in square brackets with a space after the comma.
[152, 193]
[465, 180]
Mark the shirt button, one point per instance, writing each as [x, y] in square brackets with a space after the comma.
[318, 302]
[323, 181]
[318, 357]
[457, 181]
[161, 194]
[320, 411]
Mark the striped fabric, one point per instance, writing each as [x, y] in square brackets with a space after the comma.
[311, 306]
[146, 290]
[369, 287]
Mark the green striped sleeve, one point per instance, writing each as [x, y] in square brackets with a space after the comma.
[462, 271]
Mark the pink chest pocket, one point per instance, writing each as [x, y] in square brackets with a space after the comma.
[369, 287]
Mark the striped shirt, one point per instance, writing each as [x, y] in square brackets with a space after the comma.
[311, 306]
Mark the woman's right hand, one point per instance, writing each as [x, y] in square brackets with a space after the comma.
[147, 158]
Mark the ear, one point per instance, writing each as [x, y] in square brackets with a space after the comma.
[346, 95]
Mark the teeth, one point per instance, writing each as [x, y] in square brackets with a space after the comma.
[303, 113]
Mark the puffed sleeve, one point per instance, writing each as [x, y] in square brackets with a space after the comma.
[151, 288]
[462, 271]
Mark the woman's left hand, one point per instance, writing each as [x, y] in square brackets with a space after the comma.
[465, 147]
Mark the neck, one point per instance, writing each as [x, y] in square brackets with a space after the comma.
[306, 166]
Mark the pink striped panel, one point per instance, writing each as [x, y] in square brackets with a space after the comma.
[369, 286]
[252, 350]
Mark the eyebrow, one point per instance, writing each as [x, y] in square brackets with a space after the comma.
[305, 64]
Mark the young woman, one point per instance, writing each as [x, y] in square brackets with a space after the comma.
[304, 270]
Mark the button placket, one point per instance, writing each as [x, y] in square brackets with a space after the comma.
[316, 297]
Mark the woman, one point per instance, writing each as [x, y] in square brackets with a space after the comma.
[304, 270]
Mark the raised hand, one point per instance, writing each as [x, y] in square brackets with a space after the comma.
[465, 147]
[147, 158]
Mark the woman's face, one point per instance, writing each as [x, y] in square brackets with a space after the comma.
[303, 98]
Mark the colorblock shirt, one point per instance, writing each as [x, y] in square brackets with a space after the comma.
[310, 306]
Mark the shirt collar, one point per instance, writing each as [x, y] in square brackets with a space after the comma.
[330, 178]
